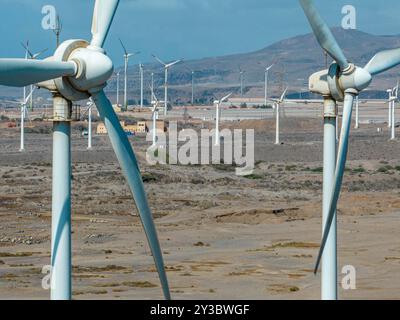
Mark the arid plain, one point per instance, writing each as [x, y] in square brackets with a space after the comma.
[223, 236]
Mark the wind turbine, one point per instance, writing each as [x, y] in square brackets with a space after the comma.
[22, 125]
[241, 80]
[126, 62]
[266, 73]
[167, 66]
[342, 82]
[154, 111]
[277, 103]
[33, 57]
[394, 97]
[389, 92]
[118, 74]
[77, 71]
[141, 71]
[192, 81]
[217, 104]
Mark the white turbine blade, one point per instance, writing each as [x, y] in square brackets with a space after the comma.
[29, 96]
[25, 46]
[130, 168]
[383, 61]
[283, 95]
[123, 47]
[226, 97]
[22, 72]
[169, 65]
[323, 34]
[104, 11]
[159, 60]
[37, 55]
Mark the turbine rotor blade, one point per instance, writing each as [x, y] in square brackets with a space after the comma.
[341, 165]
[283, 95]
[123, 47]
[323, 34]
[23, 72]
[104, 11]
[383, 61]
[130, 167]
[159, 60]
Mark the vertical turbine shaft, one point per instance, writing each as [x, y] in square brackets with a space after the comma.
[61, 212]
[329, 259]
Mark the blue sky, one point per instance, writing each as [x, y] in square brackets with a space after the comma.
[185, 28]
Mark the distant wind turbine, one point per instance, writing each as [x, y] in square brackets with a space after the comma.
[30, 55]
[217, 104]
[167, 66]
[278, 103]
[126, 59]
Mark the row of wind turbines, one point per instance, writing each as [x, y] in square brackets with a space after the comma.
[79, 70]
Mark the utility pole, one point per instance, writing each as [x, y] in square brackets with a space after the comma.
[57, 30]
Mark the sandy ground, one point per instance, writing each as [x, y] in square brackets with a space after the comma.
[223, 236]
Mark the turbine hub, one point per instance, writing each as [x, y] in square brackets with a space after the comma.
[94, 68]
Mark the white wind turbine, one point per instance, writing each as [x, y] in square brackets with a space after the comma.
[277, 106]
[30, 55]
[126, 62]
[392, 100]
[342, 82]
[141, 74]
[217, 104]
[167, 66]
[22, 124]
[241, 75]
[389, 92]
[154, 115]
[192, 82]
[118, 74]
[77, 71]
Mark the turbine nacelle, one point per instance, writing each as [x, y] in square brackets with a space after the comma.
[335, 83]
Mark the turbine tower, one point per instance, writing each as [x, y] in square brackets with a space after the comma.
[241, 78]
[90, 106]
[217, 104]
[167, 66]
[389, 92]
[77, 71]
[192, 72]
[126, 62]
[394, 97]
[342, 82]
[357, 125]
[118, 74]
